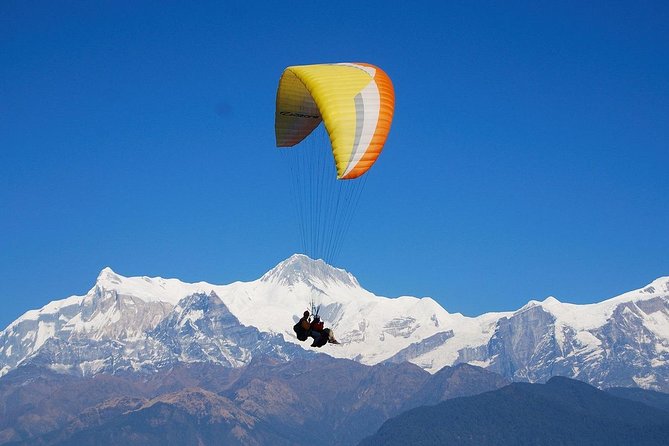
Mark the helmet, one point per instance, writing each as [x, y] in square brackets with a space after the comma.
[306, 314]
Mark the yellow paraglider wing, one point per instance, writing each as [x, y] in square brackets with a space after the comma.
[355, 102]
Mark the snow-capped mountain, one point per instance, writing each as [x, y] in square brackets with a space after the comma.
[142, 323]
[623, 341]
[199, 328]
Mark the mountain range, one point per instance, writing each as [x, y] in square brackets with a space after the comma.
[144, 324]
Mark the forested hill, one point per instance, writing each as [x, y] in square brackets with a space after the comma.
[562, 411]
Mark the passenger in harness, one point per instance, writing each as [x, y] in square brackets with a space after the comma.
[320, 334]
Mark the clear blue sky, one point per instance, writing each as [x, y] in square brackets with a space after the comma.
[528, 157]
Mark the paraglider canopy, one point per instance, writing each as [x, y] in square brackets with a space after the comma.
[355, 101]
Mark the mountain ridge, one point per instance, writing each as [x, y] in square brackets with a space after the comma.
[562, 411]
[265, 401]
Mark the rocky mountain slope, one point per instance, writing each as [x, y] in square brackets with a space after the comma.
[267, 401]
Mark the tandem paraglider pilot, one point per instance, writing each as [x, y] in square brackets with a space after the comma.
[303, 326]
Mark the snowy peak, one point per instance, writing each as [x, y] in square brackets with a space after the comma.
[548, 302]
[590, 316]
[148, 289]
[200, 315]
[300, 268]
[199, 302]
[108, 278]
